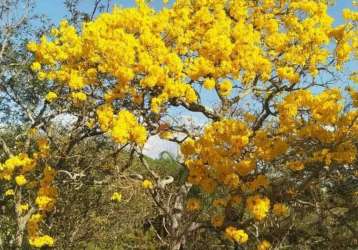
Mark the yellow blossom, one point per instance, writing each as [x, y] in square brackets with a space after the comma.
[280, 209]
[350, 15]
[78, 97]
[20, 180]
[126, 128]
[32, 46]
[116, 197]
[219, 202]
[188, 146]
[296, 165]
[238, 235]
[166, 135]
[22, 208]
[217, 220]
[147, 184]
[41, 241]
[105, 117]
[76, 80]
[209, 83]
[225, 88]
[35, 66]
[41, 75]
[51, 96]
[232, 180]
[10, 192]
[264, 245]
[193, 204]
[258, 206]
[44, 202]
[236, 199]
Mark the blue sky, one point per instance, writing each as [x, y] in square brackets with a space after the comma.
[336, 10]
[55, 8]
[56, 11]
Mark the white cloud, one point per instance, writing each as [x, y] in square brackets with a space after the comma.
[155, 146]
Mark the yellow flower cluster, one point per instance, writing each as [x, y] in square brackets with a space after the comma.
[217, 220]
[193, 205]
[123, 127]
[208, 158]
[223, 155]
[21, 163]
[51, 96]
[105, 115]
[41, 241]
[264, 245]
[10, 192]
[225, 88]
[235, 199]
[261, 181]
[35, 66]
[20, 180]
[324, 122]
[158, 56]
[35, 239]
[127, 45]
[296, 165]
[209, 83]
[238, 235]
[288, 73]
[258, 206]
[46, 194]
[22, 208]
[147, 184]
[116, 197]
[350, 15]
[268, 148]
[43, 147]
[173, 90]
[220, 202]
[78, 97]
[280, 209]
[354, 95]
[126, 128]
[324, 107]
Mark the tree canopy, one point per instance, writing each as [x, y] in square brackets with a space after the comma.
[270, 79]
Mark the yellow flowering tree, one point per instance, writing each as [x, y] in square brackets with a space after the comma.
[282, 123]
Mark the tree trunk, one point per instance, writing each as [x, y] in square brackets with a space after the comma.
[19, 238]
